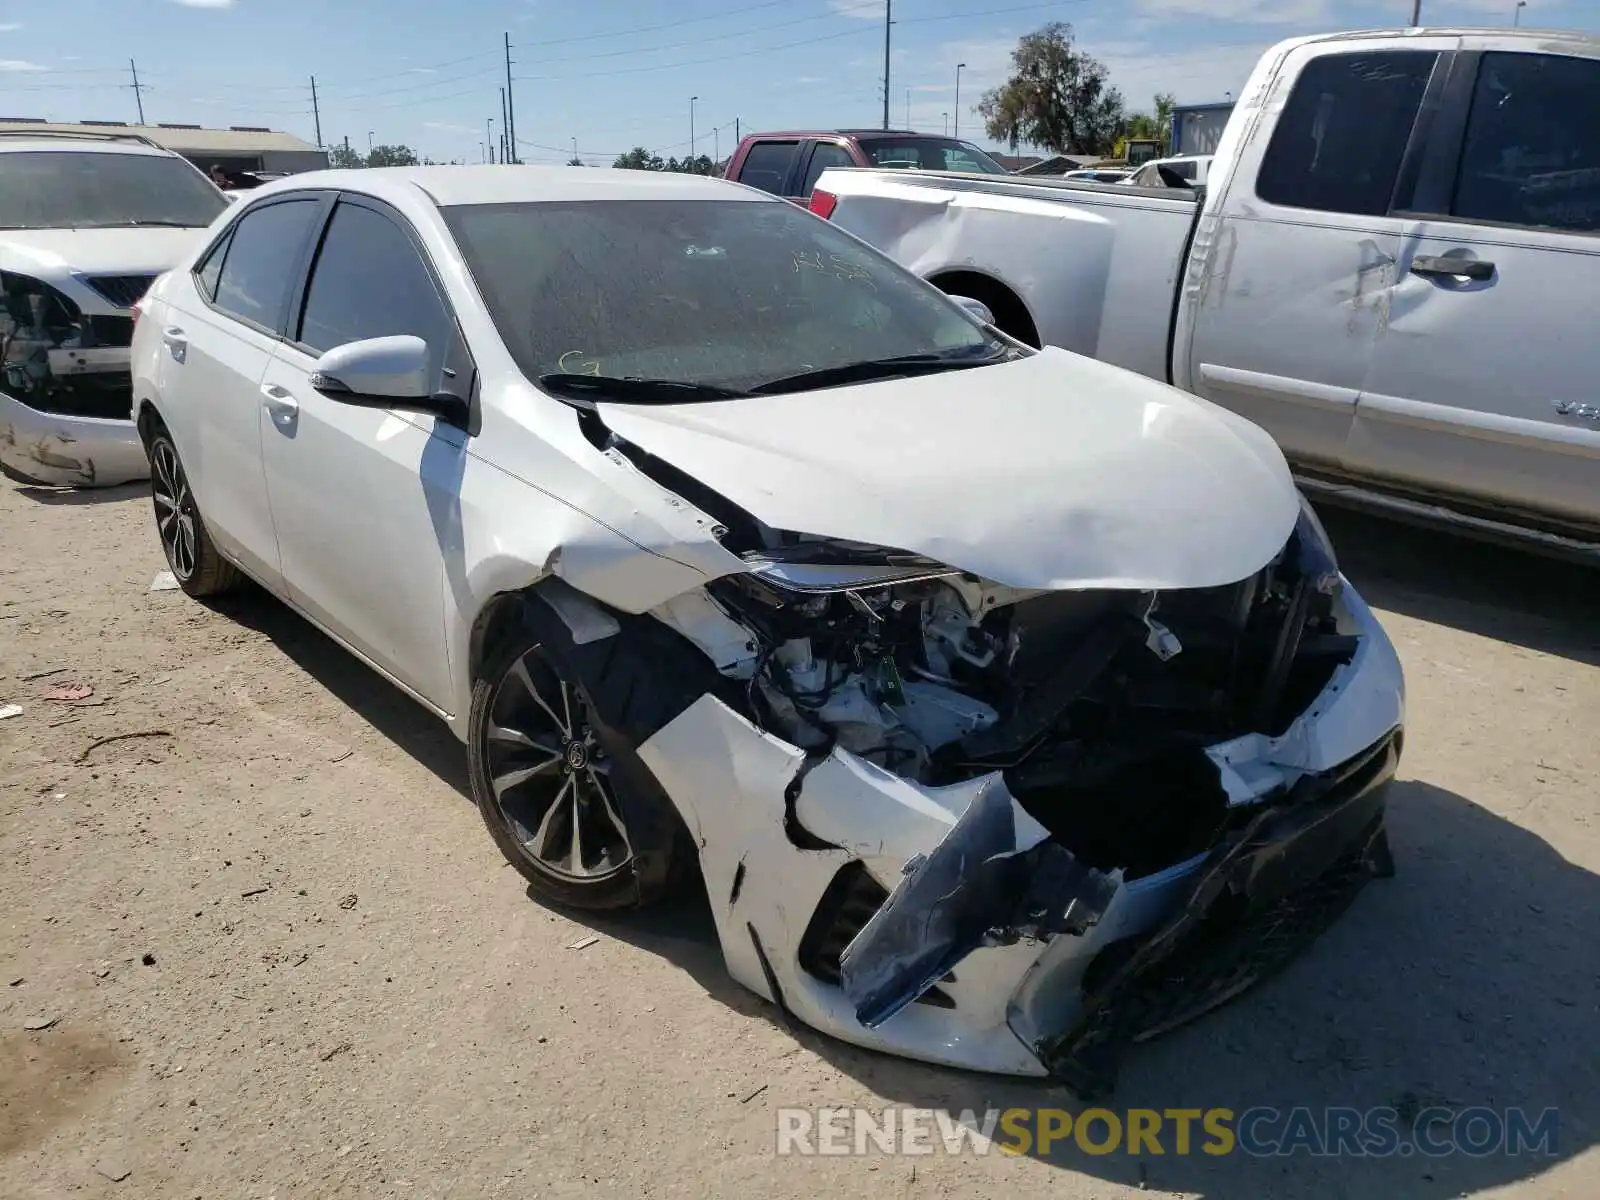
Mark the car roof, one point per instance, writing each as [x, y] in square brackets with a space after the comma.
[447, 186]
[75, 145]
[861, 135]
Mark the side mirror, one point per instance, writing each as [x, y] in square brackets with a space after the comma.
[977, 309]
[386, 372]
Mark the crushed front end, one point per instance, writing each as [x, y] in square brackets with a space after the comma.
[1017, 830]
[66, 392]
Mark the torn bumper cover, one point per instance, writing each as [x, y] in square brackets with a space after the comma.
[945, 923]
[66, 450]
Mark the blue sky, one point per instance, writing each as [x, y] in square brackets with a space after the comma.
[618, 73]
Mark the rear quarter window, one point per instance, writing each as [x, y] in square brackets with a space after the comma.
[767, 166]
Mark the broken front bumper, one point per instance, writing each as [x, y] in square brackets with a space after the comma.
[68, 451]
[867, 906]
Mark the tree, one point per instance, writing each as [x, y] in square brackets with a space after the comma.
[1159, 127]
[1057, 97]
[343, 156]
[639, 159]
[574, 161]
[392, 156]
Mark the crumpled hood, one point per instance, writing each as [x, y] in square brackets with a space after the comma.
[138, 250]
[1054, 471]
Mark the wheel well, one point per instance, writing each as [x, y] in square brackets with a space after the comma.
[496, 622]
[146, 419]
[1010, 313]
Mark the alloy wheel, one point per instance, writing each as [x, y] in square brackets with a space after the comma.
[551, 775]
[175, 509]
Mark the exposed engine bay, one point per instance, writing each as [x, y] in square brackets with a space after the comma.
[1097, 706]
[56, 359]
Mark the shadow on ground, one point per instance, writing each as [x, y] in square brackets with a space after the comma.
[385, 707]
[1540, 603]
[81, 496]
[1470, 979]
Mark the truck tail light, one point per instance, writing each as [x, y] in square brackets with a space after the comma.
[823, 203]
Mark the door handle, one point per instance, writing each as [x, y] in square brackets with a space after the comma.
[1432, 266]
[175, 342]
[283, 407]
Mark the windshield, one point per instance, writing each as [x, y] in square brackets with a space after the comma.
[930, 154]
[727, 294]
[76, 189]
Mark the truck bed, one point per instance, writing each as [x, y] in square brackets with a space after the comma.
[1094, 266]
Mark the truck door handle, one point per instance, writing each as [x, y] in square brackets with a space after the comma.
[1432, 266]
[175, 342]
[283, 407]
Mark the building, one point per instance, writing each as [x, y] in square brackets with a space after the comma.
[240, 148]
[1196, 128]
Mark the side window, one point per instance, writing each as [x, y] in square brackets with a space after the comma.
[1341, 136]
[1532, 149]
[206, 276]
[258, 269]
[1186, 169]
[823, 156]
[369, 281]
[767, 165]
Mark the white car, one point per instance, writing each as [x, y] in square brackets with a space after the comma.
[1193, 169]
[985, 687]
[86, 222]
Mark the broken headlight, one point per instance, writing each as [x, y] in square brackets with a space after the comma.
[1315, 551]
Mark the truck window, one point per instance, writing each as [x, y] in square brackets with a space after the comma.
[1341, 136]
[823, 156]
[767, 166]
[1532, 150]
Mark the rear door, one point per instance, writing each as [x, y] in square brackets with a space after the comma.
[818, 158]
[1483, 380]
[770, 164]
[218, 336]
[1294, 288]
[364, 498]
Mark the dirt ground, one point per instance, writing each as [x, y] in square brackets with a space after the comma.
[279, 956]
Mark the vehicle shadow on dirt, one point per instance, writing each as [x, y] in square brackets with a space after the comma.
[71, 497]
[1514, 596]
[395, 716]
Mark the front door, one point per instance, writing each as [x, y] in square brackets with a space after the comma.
[360, 535]
[1483, 383]
[1298, 269]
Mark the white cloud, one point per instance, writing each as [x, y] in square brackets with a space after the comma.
[450, 127]
[205, 3]
[861, 10]
[10, 27]
[809, 80]
[19, 64]
[1193, 76]
[423, 70]
[1260, 12]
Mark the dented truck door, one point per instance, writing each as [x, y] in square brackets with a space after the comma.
[1290, 274]
[1482, 384]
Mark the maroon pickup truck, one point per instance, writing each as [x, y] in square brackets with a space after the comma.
[787, 164]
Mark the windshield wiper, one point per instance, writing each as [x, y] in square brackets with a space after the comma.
[632, 390]
[884, 368]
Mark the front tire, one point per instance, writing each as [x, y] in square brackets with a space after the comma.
[191, 555]
[564, 796]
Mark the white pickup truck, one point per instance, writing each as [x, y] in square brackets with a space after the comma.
[1394, 268]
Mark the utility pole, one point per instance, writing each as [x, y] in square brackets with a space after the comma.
[888, 9]
[692, 99]
[908, 108]
[488, 130]
[506, 154]
[511, 107]
[316, 113]
[138, 89]
[959, 68]
[737, 136]
[1516, 13]
[1416, 12]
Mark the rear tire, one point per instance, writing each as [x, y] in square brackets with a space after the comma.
[192, 556]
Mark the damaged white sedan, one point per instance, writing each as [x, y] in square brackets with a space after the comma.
[1011, 706]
